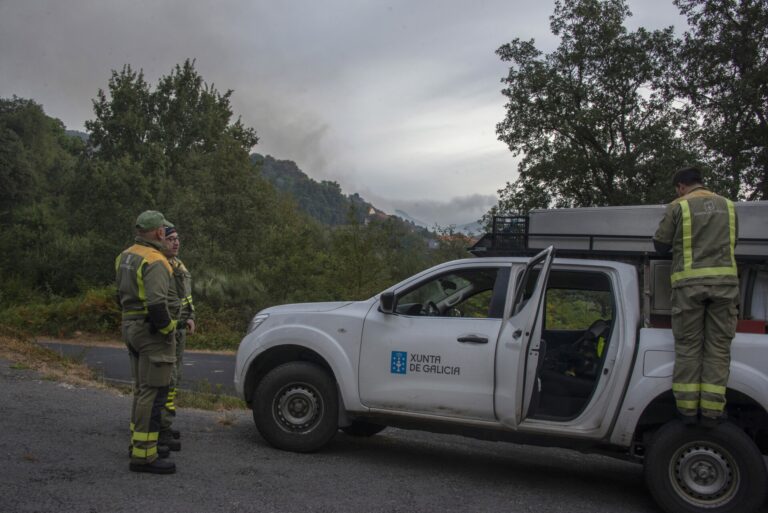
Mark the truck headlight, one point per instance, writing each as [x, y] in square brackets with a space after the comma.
[256, 322]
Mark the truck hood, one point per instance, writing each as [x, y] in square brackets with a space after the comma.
[307, 307]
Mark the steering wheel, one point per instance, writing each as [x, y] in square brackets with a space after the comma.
[430, 309]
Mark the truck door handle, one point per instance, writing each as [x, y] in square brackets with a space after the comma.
[517, 333]
[473, 339]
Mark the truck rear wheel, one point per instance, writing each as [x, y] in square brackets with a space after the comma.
[296, 407]
[691, 469]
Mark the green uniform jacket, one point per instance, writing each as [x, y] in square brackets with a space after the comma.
[143, 277]
[180, 294]
[702, 229]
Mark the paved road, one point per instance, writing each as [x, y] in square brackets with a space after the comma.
[64, 450]
[201, 369]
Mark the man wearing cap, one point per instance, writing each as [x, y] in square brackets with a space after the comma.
[183, 311]
[143, 280]
[701, 229]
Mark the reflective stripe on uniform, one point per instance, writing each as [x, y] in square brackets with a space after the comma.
[137, 452]
[140, 283]
[135, 314]
[170, 403]
[687, 405]
[712, 405]
[169, 328]
[138, 436]
[686, 387]
[688, 270]
[732, 230]
[713, 389]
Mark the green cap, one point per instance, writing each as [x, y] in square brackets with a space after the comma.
[151, 220]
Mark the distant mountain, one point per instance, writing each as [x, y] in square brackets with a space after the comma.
[80, 135]
[473, 228]
[325, 202]
[407, 217]
[322, 200]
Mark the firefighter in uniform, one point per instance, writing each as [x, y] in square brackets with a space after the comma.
[143, 280]
[183, 310]
[701, 229]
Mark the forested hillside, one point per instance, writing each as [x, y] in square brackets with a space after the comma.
[323, 200]
[68, 206]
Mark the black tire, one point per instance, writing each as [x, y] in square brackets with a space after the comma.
[691, 469]
[296, 407]
[363, 428]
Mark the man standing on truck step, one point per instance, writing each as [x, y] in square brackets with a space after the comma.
[183, 311]
[701, 229]
[143, 278]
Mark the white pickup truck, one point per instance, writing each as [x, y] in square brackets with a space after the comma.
[544, 351]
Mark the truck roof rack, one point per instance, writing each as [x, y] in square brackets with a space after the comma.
[623, 233]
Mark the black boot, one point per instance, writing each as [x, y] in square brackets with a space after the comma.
[688, 420]
[175, 433]
[159, 466]
[167, 439]
[712, 422]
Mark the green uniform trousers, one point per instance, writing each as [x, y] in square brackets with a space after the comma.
[169, 408]
[703, 323]
[152, 357]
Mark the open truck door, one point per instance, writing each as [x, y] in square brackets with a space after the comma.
[520, 347]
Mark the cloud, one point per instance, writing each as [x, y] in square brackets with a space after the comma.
[395, 100]
[456, 211]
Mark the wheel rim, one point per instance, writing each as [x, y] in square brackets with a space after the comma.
[704, 474]
[298, 408]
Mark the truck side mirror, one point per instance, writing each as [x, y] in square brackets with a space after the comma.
[387, 302]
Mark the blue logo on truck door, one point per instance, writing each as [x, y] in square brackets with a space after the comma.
[399, 363]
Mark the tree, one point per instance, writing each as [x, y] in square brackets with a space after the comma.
[722, 70]
[591, 128]
[174, 148]
[358, 254]
[37, 159]
[123, 123]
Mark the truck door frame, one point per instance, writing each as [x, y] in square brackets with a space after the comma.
[519, 345]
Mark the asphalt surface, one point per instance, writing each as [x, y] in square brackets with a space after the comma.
[201, 370]
[64, 449]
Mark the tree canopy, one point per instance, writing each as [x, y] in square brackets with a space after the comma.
[68, 206]
[607, 117]
[721, 69]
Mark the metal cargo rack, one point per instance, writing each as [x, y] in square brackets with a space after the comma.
[621, 234]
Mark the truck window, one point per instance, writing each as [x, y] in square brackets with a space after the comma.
[759, 297]
[573, 309]
[477, 293]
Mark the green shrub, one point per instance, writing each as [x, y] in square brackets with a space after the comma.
[95, 311]
[217, 330]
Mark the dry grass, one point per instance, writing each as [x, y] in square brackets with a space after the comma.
[226, 418]
[203, 398]
[25, 353]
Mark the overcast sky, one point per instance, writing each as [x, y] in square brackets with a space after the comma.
[395, 100]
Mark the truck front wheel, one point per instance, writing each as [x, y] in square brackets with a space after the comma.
[692, 469]
[296, 407]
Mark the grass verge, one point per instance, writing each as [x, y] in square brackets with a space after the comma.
[95, 311]
[26, 354]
